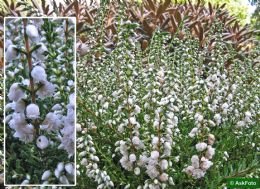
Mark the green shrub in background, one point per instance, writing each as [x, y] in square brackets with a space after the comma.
[172, 116]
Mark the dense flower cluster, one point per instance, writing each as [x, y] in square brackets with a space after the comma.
[40, 82]
[159, 114]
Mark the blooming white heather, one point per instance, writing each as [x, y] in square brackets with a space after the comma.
[69, 168]
[155, 154]
[132, 158]
[164, 164]
[52, 122]
[32, 32]
[164, 177]
[205, 163]
[210, 152]
[11, 53]
[201, 146]
[136, 141]
[19, 106]
[46, 175]
[38, 74]
[15, 92]
[68, 139]
[211, 139]
[32, 111]
[47, 90]
[217, 118]
[193, 132]
[40, 52]
[42, 142]
[137, 171]
[195, 161]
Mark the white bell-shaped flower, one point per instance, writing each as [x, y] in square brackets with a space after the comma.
[42, 142]
[32, 32]
[69, 168]
[39, 53]
[11, 53]
[46, 175]
[32, 111]
[15, 92]
[38, 74]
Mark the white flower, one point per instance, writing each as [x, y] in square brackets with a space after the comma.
[205, 163]
[38, 74]
[198, 117]
[11, 53]
[60, 166]
[32, 111]
[152, 172]
[25, 133]
[15, 92]
[225, 106]
[193, 132]
[248, 114]
[69, 168]
[201, 146]
[132, 158]
[132, 120]
[226, 154]
[136, 141]
[137, 109]
[57, 173]
[146, 118]
[142, 160]
[42, 142]
[217, 118]
[19, 106]
[126, 164]
[39, 53]
[155, 154]
[155, 140]
[52, 122]
[47, 90]
[195, 161]
[198, 173]
[189, 170]
[137, 171]
[63, 180]
[46, 175]
[164, 164]
[163, 177]
[240, 124]
[32, 32]
[8, 42]
[56, 107]
[211, 139]
[26, 181]
[210, 152]
[105, 106]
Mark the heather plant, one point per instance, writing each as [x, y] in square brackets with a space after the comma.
[171, 116]
[39, 101]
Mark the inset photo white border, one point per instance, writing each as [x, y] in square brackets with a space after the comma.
[74, 99]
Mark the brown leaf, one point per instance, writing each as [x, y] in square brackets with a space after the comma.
[178, 17]
[174, 23]
[228, 37]
[68, 8]
[162, 8]
[151, 5]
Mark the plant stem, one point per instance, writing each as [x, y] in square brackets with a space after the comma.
[29, 60]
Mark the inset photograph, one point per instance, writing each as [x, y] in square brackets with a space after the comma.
[40, 101]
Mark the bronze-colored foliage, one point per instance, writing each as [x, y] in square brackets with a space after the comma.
[171, 17]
